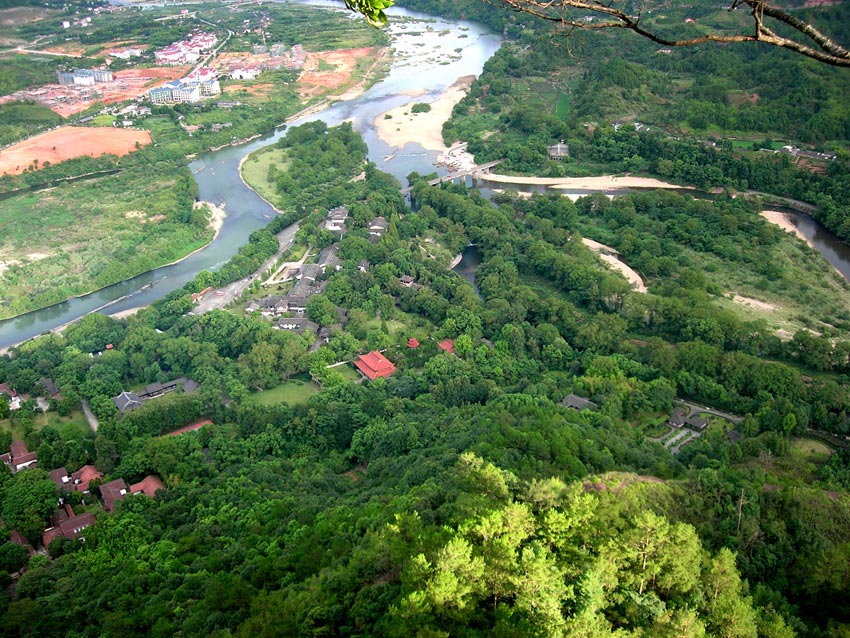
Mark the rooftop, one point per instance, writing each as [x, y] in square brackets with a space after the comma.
[374, 364]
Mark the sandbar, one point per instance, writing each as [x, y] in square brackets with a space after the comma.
[786, 222]
[609, 256]
[426, 129]
[601, 182]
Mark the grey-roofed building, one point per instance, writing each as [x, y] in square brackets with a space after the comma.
[297, 325]
[329, 258]
[297, 304]
[578, 403]
[310, 272]
[127, 401]
[377, 227]
[49, 386]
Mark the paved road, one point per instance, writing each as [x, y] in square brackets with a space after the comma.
[697, 409]
[222, 297]
[90, 417]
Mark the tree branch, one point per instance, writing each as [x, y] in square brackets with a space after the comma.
[562, 12]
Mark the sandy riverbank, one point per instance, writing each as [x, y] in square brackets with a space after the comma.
[786, 222]
[123, 314]
[609, 256]
[426, 129]
[601, 182]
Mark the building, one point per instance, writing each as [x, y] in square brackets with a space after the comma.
[19, 457]
[247, 73]
[377, 228]
[558, 151]
[127, 401]
[578, 403]
[329, 259]
[297, 325]
[373, 365]
[84, 77]
[148, 486]
[113, 492]
[186, 92]
[49, 387]
[65, 78]
[335, 220]
[160, 95]
[679, 420]
[66, 524]
[447, 345]
[61, 478]
[82, 478]
[126, 54]
[102, 75]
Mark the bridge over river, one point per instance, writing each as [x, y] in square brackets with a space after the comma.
[472, 170]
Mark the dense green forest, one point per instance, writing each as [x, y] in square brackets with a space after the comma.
[457, 497]
[460, 497]
[697, 115]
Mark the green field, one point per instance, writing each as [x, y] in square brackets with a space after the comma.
[255, 170]
[293, 392]
[78, 237]
[348, 372]
[817, 450]
[76, 418]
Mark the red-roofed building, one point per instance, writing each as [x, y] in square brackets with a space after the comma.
[61, 478]
[83, 477]
[70, 528]
[113, 492]
[148, 486]
[413, 342]
[448, 345]
[374, 364]
[19, 457]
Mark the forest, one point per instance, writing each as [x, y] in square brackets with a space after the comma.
[458, 497]
[461, 496]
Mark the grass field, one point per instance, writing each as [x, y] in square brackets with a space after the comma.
[293, 392]
[255, 170]
[42, 419]
[816, 449]
[348, 372]
[81, 236]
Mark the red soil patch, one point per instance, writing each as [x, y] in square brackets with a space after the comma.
[157, 72]
[314, 82]
[69, 142]
[197, 425]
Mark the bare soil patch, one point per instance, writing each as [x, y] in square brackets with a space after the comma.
[69, 142]
[753, 303]
[314, 82]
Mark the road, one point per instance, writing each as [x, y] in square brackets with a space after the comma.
[90, 417]
[697, 409]
[222, 297]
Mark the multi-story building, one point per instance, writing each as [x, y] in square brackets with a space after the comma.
[102, 75]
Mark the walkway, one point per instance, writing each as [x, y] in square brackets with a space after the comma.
[90, 417]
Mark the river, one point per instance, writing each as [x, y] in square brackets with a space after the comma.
[428, 53]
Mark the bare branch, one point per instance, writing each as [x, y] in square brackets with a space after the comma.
[563, 12]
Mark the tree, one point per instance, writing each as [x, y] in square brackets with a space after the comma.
[28, 502]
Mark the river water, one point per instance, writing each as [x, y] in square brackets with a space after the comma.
[428, 54]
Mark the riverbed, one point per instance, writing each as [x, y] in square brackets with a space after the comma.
[429, 55]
